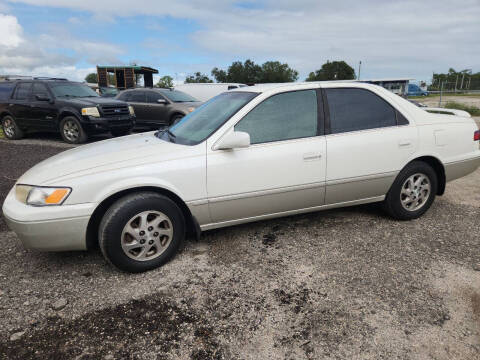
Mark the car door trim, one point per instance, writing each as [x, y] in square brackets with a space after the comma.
[290, 212]
[271, 191]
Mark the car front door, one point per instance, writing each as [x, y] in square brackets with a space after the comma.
[157, 112]
[43, 113]
[368, 143]
[282, 170]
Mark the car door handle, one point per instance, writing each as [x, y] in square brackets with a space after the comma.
[404, 143]
[312, 156]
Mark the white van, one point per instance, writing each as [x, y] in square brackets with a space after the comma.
[206, 91]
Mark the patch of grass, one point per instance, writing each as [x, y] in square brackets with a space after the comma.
[472, 110]
[2, 136]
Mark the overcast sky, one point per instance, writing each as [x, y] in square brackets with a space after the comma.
[391, 38]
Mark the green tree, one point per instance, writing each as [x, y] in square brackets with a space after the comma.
[91, 78]
[276, 72]
[250, 73]
[165, 82]
[335, 70]
[198, 77]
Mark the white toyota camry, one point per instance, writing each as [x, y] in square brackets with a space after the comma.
[250, 154]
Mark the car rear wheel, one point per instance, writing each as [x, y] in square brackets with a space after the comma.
[11, 129]
[412, 192]
[72, 131]
[121, 132]
[141, 232]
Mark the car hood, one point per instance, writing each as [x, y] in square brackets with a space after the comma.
[93, 101]
[96, 156]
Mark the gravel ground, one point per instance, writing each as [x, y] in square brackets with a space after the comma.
[341, 284]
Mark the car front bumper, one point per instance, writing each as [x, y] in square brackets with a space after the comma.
[94, 124]
[54, 228]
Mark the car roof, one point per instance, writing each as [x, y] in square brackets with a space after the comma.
[280, 87]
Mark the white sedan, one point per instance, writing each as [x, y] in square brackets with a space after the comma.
[246, 155]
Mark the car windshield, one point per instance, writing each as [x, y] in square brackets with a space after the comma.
[205, 120]
[178, 96]
[72, 90]
[109, 91]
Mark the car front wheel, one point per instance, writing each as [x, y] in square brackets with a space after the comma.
[72, 131]
[412, 192]
[176, 119]
[141, 231]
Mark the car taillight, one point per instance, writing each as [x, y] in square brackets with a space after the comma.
[476, 135]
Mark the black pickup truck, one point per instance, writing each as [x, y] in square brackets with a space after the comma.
[59, 105]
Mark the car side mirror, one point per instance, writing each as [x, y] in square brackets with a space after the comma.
[234, 140]
[42, 97]
[162, 101]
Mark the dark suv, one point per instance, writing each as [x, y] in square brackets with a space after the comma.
[59, 105]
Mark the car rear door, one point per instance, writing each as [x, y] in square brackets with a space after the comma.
[138, 100]
[19, 104]
[282, 170]
[368, 141]
[157, 114]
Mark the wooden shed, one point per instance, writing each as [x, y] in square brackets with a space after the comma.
[125, 75]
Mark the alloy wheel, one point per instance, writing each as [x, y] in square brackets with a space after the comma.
[146, 235]
[415, 192]
[71, 130]
[9, 128]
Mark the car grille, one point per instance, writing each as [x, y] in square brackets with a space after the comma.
[114, 110]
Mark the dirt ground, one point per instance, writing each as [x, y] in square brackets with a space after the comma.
[341, 284]
[434, 101]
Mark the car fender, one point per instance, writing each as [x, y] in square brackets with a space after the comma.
[68, 111]
[136, 182]
[5, 113]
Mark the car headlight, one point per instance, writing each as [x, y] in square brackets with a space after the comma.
[41, 195]
[91, 111]
[190, 109]
[131, 110]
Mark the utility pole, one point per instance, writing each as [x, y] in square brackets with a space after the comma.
[456, 80]
[359, 69]
[461, 84]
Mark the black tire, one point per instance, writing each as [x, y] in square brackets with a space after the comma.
[122, 212]
[393, 204]
[175, 119]
[11, 129]
[121, 132]
[72, 131]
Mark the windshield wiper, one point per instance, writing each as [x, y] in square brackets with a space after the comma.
[171, 136]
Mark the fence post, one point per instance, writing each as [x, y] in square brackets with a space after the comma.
[441, 91]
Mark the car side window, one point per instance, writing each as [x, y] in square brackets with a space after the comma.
[6, 89]
[285, 116]
[358, 109]
[40, 89]
[153, 97]
[136, 96]
[23, 91]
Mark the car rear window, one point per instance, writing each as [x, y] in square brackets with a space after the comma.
[6, 89]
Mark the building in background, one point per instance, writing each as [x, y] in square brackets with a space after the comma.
[398, 86]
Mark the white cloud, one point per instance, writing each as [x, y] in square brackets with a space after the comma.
[49, 54]
[10, 30]
[392, 38]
